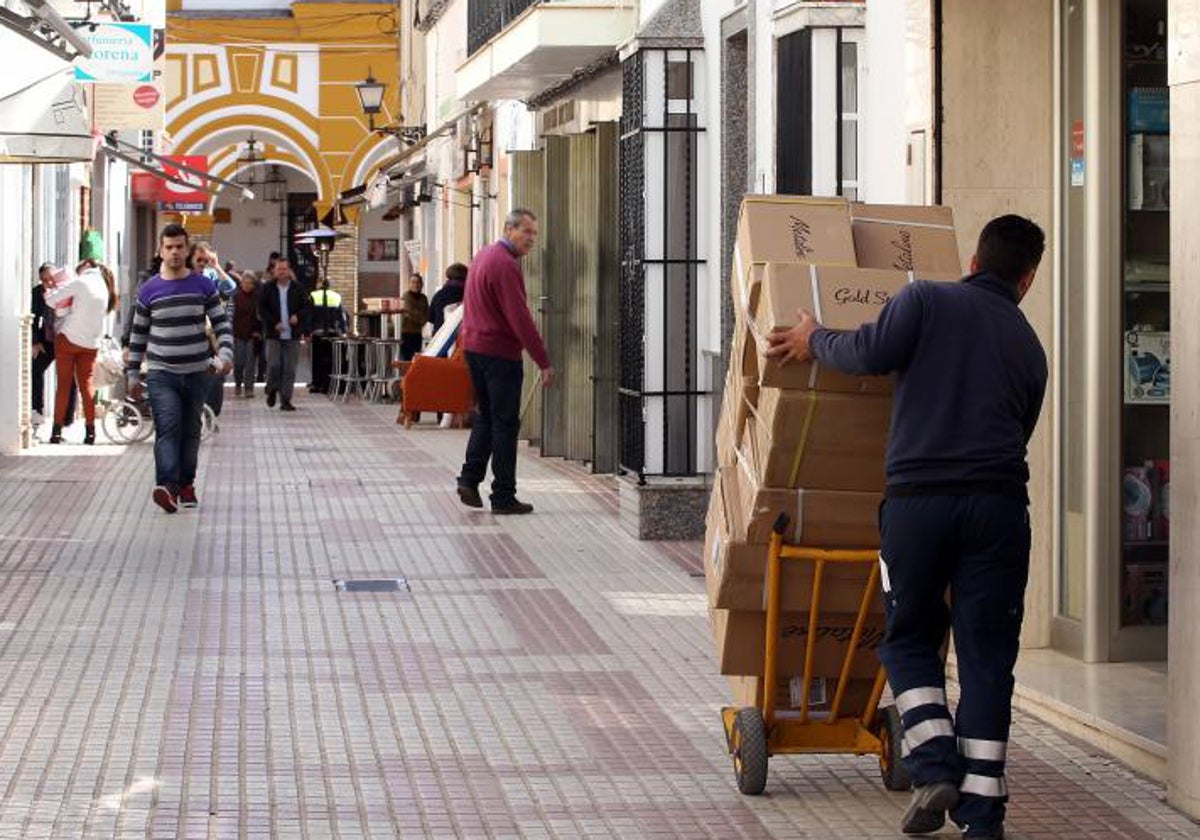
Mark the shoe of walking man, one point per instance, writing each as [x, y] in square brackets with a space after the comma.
[970, 376]
[497, 326]
[170, 334]
[283, 309]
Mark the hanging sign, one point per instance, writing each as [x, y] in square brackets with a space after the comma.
[177, 197]
[136, 106]
[121, 52]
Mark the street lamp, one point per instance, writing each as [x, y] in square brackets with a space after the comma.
[275, 185]
[248, 161]
[370, 98]
[321, 239]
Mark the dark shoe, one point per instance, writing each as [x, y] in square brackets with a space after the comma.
[513, 508]
[248, 393]
[187, 497]
[987, 834]
[237, 390]
[56, 434]
[89, 436]
[927, 811]
[270, 398]
[287, 406]
[469, 496]
[165, 499]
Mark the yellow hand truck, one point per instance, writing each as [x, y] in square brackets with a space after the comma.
[755, 733]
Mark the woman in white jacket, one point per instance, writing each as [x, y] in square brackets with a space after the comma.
[83, 301]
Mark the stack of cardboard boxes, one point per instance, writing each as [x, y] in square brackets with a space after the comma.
[802, 439]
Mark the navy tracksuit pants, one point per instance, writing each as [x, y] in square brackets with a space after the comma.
[978, 546]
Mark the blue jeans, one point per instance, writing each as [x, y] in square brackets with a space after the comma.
[495, 425]
[176, 400]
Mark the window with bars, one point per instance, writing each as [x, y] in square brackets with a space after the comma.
[661, 263]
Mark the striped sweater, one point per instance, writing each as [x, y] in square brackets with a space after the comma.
[169, 329]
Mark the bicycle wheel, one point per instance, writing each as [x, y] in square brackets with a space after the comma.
[208, 423]
[122, 423]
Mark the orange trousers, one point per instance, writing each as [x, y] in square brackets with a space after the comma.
[73, 362]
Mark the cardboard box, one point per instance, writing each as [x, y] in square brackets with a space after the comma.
[819, 518]
[781, 228]
[740, 392]
[735, 569]
[740, 637]
[1147, 367]
[906, 238]
[841, 299]
[817, 441]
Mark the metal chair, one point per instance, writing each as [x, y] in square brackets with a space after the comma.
[353, 375]
[337, 379]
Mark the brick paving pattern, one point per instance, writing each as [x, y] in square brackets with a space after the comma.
[547, 676]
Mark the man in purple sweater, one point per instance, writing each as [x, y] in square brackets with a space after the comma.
[497, 326]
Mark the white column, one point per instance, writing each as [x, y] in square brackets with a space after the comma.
[1183, 725]
[16, 280]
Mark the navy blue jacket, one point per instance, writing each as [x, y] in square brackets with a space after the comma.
[970, 376]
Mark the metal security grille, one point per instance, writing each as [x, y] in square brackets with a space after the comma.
[486, 18]
[659, 393]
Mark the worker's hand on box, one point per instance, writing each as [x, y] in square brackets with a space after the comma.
[547, 377]
[793, 344]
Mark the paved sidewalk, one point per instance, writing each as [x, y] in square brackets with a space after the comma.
[547, 676]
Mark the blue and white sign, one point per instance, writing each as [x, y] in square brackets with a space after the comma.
[121, 52]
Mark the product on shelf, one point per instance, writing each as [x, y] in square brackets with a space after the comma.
[1147, 367]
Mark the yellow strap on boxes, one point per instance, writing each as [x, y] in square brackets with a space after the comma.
[804, 431]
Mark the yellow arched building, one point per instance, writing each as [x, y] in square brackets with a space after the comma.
[284, 73]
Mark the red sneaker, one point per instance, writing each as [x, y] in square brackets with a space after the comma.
[165, 499]
[187, 497]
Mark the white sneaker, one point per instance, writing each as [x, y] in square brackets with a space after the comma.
[36, 418]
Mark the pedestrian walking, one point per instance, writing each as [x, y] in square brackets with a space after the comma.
[414, 309]
[84, 300]
[283, 308]
[449, 294]
[247, 329]
[328, 322]
[497, 326]
[169, 334]
[970, 376]
[42, 331]
[204, 259]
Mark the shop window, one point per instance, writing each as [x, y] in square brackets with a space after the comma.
[1146, 327]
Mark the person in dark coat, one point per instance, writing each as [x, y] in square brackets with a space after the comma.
[284, 309]
[970, 377]
[414, 307]
[42, 332]
[449, 294]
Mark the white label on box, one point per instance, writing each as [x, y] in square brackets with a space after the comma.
[816, 692]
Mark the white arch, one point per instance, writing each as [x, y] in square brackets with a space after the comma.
[236, 136]
[381, 151]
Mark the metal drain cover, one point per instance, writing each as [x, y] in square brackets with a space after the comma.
[370, 585]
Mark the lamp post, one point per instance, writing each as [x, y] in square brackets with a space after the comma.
[248, 161]
[322, 240]
[370, 98]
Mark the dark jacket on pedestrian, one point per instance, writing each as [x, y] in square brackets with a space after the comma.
[448, 295]
[298, 304]
[42, 328]
[970, 380]
[246, 323]
[416, 313]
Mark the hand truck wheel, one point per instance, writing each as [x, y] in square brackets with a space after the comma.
[748, 744]
[891, 738]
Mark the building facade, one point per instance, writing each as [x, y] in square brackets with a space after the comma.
[266, 94]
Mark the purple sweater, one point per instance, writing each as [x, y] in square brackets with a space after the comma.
[169, 329]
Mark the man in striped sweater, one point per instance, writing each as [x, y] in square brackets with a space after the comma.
[169, 333]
